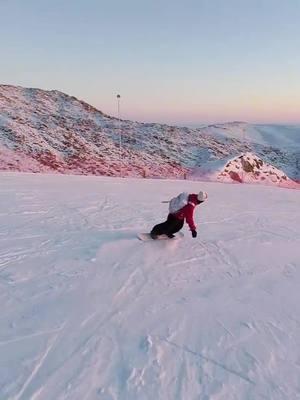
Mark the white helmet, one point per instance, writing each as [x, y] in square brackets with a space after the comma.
[202, 196]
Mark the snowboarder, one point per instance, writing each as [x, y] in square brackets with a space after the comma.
[180, 208]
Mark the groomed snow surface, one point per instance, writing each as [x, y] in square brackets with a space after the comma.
[90, 312]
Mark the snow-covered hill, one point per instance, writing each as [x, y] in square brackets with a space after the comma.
[249, 168]
[44, 131]
[89, 312]
[281, 136]
[245, 168]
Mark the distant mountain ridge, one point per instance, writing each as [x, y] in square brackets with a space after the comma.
[49, 131]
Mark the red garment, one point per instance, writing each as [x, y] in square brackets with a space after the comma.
[187, 212]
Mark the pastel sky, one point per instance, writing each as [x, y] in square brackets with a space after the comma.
[173, 61]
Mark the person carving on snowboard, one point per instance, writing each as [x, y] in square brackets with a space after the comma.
[180, 208]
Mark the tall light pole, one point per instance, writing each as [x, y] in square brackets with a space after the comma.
[120, 133]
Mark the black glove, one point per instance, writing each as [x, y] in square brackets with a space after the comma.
[194, 233]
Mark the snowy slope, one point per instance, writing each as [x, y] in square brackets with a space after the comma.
[280, 136]
[89, 312]
[278, 145]
[44, 131]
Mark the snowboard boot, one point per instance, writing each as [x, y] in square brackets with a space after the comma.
[153, 235]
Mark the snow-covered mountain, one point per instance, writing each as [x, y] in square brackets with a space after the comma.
[90, 312]
[49, 131]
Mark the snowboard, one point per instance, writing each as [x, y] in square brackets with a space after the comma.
[145, 237]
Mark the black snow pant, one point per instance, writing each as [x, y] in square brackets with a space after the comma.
[170, 226]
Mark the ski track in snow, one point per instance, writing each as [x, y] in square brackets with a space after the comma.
[90, 312]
